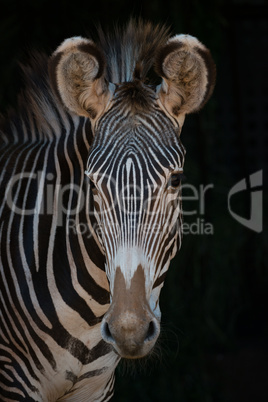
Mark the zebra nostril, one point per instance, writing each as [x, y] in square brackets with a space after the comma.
[125, 335]
[153, 331]
[106, 333]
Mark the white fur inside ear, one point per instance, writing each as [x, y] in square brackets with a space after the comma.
[185, 81]
[188, 41]
[70, 43]
[78, 74]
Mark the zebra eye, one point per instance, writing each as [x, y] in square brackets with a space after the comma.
[175, 180]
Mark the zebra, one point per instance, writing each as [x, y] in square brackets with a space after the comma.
[90, 206]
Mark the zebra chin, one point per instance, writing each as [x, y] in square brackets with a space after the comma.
[129, 325]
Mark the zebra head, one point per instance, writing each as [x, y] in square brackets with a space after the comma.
[135, 165]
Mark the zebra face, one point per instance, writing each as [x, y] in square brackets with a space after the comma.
[135, 171]
[135, 163]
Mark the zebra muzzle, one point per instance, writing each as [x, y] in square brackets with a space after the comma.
[129, 325]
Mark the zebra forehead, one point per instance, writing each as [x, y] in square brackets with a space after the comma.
[148, 126]
[135, 96]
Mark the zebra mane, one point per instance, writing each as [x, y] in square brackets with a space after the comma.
[130, 51]
[37, 109]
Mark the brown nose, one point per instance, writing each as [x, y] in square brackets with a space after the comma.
[131, 336]
[129, 325]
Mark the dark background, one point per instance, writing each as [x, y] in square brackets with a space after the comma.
[213, 345]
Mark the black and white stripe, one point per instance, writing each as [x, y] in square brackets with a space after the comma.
[63, 234]
[53, 288]
[131, 159]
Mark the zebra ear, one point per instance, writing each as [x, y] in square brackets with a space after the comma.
[76, 71]
[188, 73]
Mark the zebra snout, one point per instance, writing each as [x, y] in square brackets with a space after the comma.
[129, 325]
[132, 337]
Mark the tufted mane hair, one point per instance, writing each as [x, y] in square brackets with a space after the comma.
[130, 51]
